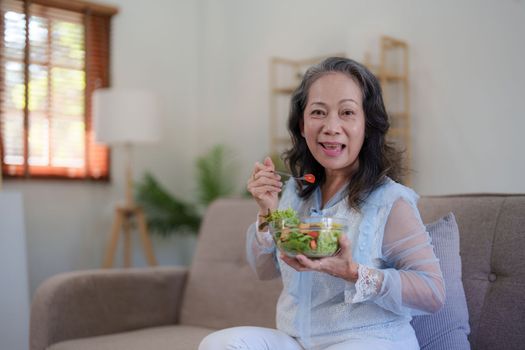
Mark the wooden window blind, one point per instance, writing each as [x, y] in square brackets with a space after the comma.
[53, 55]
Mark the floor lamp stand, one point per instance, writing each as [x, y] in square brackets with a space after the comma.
[122, 223]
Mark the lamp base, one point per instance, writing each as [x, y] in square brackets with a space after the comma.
[122, 222]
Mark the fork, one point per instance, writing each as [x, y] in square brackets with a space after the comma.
[306, 177]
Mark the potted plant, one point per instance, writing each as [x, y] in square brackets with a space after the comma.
[168, 215]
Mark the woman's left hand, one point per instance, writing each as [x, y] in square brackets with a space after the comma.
[341, 265]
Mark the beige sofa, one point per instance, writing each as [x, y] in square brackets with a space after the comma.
[174, 308]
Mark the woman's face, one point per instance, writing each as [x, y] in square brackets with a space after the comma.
[334, 123]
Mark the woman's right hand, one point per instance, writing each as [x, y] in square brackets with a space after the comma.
[265, 185]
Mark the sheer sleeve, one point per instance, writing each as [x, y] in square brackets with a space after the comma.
[411, 282]
[260, 253]
[260, 247]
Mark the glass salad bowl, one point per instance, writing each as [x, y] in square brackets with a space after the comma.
[314, 237]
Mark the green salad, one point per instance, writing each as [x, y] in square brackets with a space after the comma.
[312, 236]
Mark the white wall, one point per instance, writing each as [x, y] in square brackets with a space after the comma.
[155, 47]
[208, 60]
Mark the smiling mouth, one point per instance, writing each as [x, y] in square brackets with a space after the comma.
[329, 146]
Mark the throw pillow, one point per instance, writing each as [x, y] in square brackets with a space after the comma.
[448, 328]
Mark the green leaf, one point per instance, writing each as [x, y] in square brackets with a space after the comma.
[214, 175]
[165, 213]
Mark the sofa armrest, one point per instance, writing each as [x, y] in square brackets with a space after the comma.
[97, 302]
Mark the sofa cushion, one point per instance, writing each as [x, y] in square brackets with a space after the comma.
[449, 327]
[158, 338]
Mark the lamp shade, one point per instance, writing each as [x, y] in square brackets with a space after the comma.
[125, 116]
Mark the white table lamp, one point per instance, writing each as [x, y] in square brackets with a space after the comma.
[126, 117]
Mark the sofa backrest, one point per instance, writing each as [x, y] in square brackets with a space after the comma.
[492, 248]
[222, 291]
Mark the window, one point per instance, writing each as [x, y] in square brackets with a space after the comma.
[53, 55]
